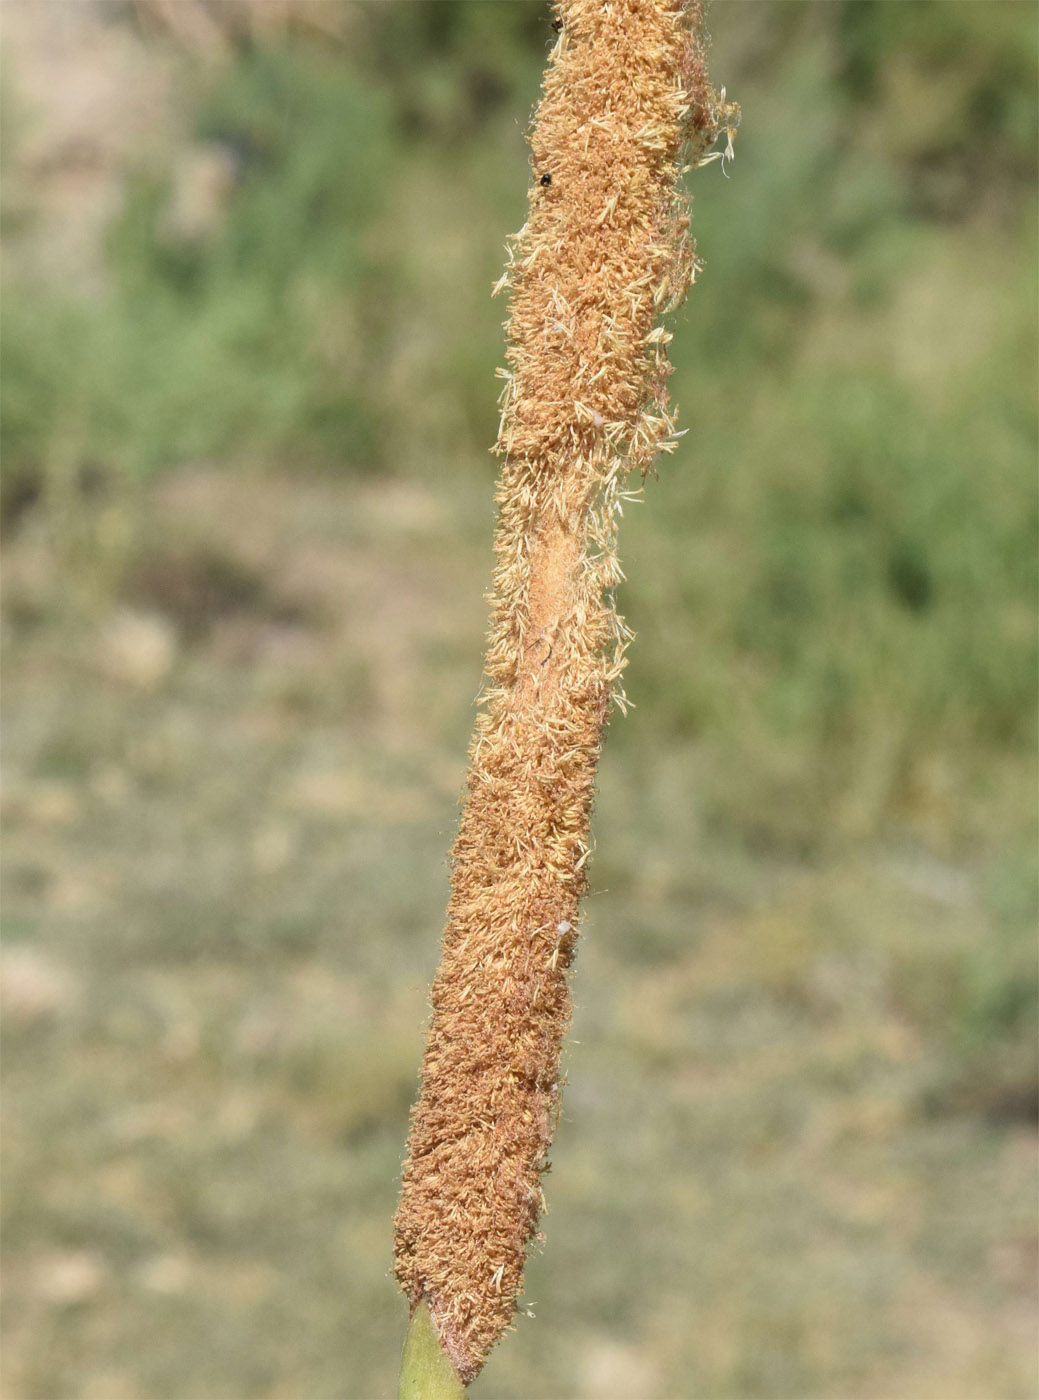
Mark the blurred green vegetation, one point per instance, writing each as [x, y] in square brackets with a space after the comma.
[247, 508]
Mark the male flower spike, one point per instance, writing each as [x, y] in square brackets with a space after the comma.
[605, 251]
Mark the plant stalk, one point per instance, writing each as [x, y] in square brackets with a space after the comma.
[425, 1371]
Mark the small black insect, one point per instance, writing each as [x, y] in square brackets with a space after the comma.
[557, 25]
[546, 179]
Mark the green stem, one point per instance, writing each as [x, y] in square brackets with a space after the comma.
[425, 1371]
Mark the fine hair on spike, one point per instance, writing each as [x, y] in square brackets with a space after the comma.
[625, 110]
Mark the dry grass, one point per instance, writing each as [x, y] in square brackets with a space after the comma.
[218, 893]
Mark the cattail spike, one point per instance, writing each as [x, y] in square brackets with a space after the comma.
[625, 106]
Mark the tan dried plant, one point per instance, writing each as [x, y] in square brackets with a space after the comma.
[626, 108]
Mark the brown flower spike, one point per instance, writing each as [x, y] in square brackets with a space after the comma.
[604, 251]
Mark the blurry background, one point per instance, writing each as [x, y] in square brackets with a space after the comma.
[248, 396]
